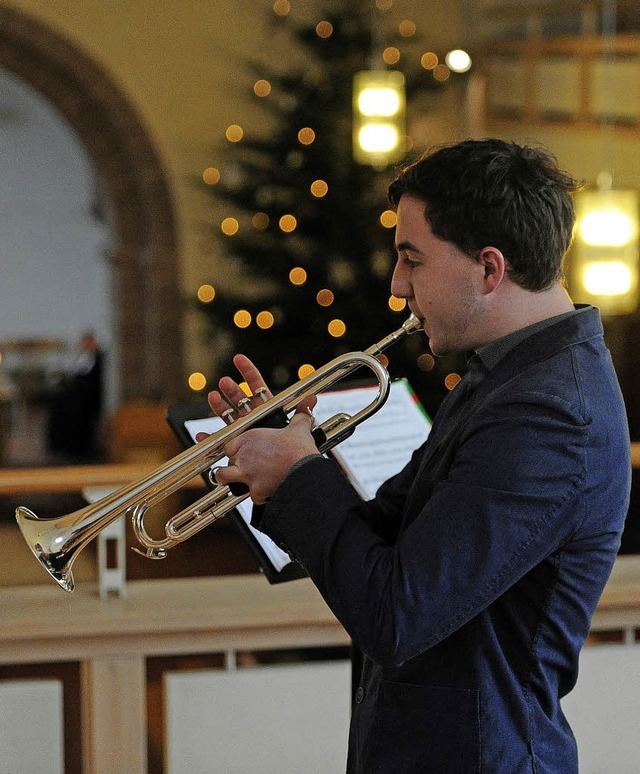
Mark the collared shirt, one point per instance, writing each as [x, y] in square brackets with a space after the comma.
[492, 353]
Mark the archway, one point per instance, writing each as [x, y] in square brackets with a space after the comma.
[147, 314]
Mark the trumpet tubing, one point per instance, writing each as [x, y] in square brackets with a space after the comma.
[57, 541]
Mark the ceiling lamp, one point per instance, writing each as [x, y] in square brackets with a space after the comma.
[604, 256]
[604, 259]
[378, 117]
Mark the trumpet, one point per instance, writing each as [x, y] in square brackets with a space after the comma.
[56, 541]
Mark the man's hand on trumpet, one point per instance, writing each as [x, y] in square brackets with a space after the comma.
[260, 457]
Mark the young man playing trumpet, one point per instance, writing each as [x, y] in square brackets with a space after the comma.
[470, 580]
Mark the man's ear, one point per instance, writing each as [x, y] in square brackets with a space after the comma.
[494, 264]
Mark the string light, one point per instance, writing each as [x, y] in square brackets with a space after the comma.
[297, 276]
[242, 318]
[407, 28]
[429, 60]
[211, 176]
[426, 362]
[288, 223]
[197, 381]
[206, 293]
[306, 136]
[325, 297]
[458, 61]
[260, 221]
[262, 88]
[305, 370]
[397, 304]
[281, 7]
[324, 29]
[388, 219]
[234, 133]
[337, 328]
[450, 380]
[265, 320]
[391, 55]
[230, 226]
[441, 73]
[319, 188]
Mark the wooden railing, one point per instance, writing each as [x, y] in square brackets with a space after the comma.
[576, 82]
[74, 478]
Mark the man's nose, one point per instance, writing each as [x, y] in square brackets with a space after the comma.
[400, 286]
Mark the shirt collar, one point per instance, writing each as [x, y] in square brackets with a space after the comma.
[492, 353]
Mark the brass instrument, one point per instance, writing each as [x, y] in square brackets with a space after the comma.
[57, 541]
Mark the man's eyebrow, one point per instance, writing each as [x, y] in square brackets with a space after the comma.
[406, 246]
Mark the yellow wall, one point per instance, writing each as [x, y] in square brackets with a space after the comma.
[180, 62]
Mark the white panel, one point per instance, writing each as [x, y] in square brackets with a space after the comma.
[284, 719]
[604, 709]
[32, 727]
[558, 85]
[615, 88]
[506, 83]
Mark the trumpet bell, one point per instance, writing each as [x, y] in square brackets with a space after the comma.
[45, 537]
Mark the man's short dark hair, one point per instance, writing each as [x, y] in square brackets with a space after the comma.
[481, 193]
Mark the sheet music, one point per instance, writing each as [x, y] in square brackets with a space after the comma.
[277, 556]
[379, 447]
[382, 445]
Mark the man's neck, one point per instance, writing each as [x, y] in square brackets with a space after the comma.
[520, 308]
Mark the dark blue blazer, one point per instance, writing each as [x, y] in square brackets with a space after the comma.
[470, 581]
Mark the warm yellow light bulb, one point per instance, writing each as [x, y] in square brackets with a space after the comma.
[260, 221]
[391, 55]
[305, 370]
[281, 7]
[234, 133]
[324, 29]
[407, 28]
[229, 226]
[206, 293]
[607, 227]
[297, 276]
[197, 381]
[451, 380]
[242, 318]
[262, 88]
[429, 60]
[458, 61]
[607, 278]
[264, 320]
[337, 328]
[397, 304]
[319, 188]
[380, 101]
[388, 219]
[306, 136]
[211, 176]
[325, 297]
[288, 223]
[378, 138]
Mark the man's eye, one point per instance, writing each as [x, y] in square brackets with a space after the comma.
[410, 263]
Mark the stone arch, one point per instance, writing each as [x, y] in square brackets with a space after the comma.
[146, 291]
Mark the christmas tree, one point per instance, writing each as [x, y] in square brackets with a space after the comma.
[309, 228]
